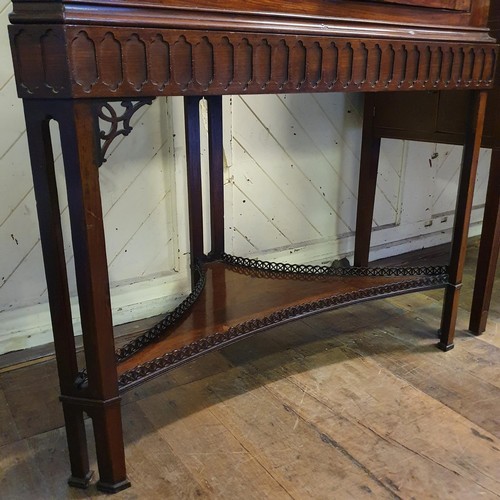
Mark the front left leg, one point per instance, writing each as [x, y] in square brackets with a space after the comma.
[100, 399]
[38, 113]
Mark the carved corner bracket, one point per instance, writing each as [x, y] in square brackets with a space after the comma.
[119, 124]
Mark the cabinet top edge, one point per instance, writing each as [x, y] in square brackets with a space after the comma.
[318, 12]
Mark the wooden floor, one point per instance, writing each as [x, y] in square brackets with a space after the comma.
[356, 403]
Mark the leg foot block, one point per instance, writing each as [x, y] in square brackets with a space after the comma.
[81, 482]
[112, 487]
[445, 347]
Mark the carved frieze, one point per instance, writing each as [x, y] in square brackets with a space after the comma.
[40, 63]
[118, 62]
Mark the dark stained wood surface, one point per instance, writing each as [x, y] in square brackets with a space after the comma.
[439, 13]
[233, 296]
[489, 249]
[464, 5]
[461, 221]
[258, 46]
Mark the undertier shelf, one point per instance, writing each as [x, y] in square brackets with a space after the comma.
[237, 297]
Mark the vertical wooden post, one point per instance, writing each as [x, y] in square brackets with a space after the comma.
[368, 170]
[37, 115]
[488, 250]
[193, 159]
[462, 219]
[216, 161]
[80, 146]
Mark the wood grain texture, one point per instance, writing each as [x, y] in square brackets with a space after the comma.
[120, 63]
[238, 301]
[267, 15]
[439, 4]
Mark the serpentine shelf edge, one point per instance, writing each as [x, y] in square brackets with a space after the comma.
[236, 297]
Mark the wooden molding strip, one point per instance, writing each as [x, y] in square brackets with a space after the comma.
[153, 62]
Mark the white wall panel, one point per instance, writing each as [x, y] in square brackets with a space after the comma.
[296, 162]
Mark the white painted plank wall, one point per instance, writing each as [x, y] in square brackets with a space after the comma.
[295, 180]
[290, 185]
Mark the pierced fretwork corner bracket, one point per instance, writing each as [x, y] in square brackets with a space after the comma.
[119, 124]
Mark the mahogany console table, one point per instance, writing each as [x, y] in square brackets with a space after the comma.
[73, 57]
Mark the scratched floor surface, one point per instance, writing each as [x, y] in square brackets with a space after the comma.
[356, 403]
